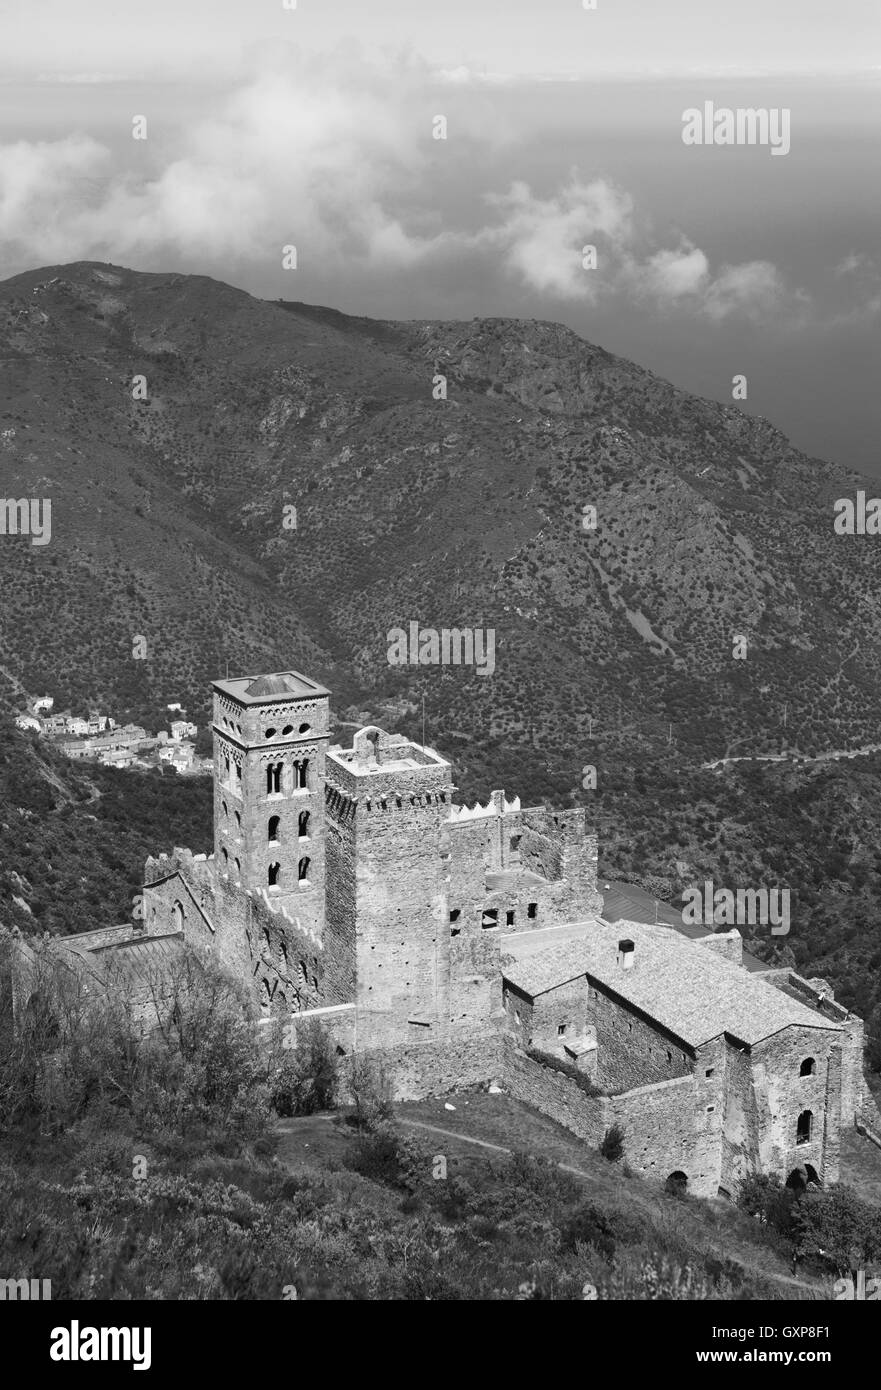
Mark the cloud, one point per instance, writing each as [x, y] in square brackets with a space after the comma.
[334, 154]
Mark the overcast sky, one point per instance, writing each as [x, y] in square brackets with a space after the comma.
[129, 38]
[312, 127]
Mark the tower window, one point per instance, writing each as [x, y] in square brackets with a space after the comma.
[808, 1067]
[305, 728]
[288, 729]
[273, 873]
[238, 865]
[301, 770]
[532, 911]
[269, 733]
[272, 832]
[225, 857]
[303, 825]
[303, 872]
[455, 914]
[804, 1127]
[225, 809]
[238, 821]
[509, 917]
[273, 778]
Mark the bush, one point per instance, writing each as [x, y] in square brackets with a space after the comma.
[371, 1092]
[385, 1154]
[306, 1078]
[612, 1144]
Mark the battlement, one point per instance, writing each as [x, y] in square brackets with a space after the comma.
[496, 806]
[381, 765]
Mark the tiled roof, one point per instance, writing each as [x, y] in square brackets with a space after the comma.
[687, 988]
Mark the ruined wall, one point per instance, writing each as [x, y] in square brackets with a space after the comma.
[285, 967]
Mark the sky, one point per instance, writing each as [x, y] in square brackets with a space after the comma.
[314, 127]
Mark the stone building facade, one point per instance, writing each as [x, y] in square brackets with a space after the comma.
[468, 944]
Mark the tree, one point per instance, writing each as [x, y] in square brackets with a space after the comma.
[839, 1228]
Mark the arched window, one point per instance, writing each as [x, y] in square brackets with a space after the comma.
[225, 857]
[305, 728]
[269, 733]
[808, 1067]
[273, 873]
[303, 871]
[301, 771]
[273, 778]
[272, 834]
[238, 868]
[177, 916]
[238, 820]
[225, 809]
[804, 1127]
[303, 825]
[288, 729]
[677, 1184]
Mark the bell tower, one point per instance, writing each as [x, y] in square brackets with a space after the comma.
[270, 736]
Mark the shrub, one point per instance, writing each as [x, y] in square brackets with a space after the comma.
[612, 1144]
[371, 1092]
[306, 1079]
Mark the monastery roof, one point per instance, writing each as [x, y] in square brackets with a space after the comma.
[255, 690]
[142, 955]
[689, 989]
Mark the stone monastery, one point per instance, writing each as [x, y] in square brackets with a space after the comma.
[468, 945]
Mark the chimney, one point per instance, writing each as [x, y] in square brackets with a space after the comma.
[626, 952]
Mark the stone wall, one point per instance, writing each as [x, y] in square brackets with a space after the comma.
[632, 1049]
[554, 1094]
[660, 1137]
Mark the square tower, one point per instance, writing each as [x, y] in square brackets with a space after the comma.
[270, 736]
[388, 804]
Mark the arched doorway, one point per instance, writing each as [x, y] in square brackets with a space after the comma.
[677, 1184]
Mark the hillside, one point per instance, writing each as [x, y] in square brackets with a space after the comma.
[613, 646]
[168, 512]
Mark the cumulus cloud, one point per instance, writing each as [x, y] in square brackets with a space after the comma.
[335, 155]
